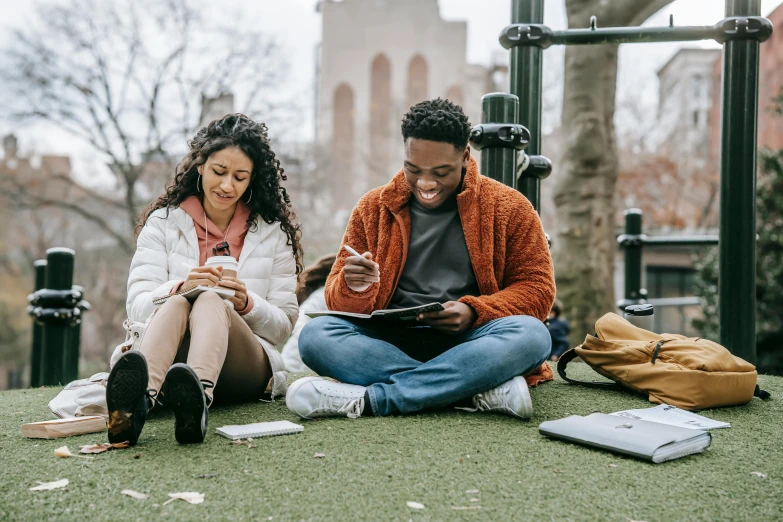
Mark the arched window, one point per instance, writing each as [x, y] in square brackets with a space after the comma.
[343, 128]
[454, 95]
[417, 81]
[380, 114]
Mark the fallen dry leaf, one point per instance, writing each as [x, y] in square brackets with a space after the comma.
[465, 508]
[415, 505]
[758, 474]
[118, 422]
[191, 497]
[559, 471]
[45, 486]
[474, 500]
[100, 448]
[63, 452]
[319, 455]
[134, 494]
[471, 491]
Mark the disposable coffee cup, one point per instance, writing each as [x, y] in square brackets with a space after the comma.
[641, 315]
[228, 263]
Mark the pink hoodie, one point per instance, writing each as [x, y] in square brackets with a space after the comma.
[236, 235]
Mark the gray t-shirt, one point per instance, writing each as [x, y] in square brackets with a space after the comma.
[438, 267]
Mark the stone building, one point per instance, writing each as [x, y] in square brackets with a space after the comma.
[376, 59]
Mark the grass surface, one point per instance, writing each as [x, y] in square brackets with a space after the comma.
[373, 466]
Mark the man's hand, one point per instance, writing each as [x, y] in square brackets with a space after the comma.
[360, 272]
[455, 318]
[240, 295]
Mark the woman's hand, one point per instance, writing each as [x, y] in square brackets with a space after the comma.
[240, 297]
[204, 276]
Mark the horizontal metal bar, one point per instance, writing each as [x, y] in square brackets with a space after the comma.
[674, 301]
[731, 28]
[680, 240]
[618, 35]
[625, 240]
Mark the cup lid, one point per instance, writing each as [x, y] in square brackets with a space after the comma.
[228, 260]
[639, 309]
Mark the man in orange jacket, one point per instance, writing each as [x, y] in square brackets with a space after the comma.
[437, 232]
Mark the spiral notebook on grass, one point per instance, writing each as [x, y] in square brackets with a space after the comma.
[194, 291]
[259, 429]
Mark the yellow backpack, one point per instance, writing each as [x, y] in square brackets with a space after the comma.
[688, 372]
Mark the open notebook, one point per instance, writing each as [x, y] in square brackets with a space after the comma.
[194, 291]
[646, 440]
[399, 314]
[259, 429]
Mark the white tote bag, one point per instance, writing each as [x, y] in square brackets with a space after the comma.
[88, 396]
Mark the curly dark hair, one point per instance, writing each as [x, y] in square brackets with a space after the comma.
[437, 120]
[270, 200]
[314, 277]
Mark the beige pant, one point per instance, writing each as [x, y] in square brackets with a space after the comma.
[213, 340]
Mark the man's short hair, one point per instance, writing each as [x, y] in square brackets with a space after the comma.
[437, 120]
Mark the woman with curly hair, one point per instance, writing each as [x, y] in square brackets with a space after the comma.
[226, 200]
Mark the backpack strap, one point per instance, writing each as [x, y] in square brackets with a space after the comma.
[569, 356]
[758, 392]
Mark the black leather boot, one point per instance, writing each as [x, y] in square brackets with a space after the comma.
[184, 394]
[127, 398]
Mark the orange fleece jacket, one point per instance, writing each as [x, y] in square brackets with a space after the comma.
[505, 240]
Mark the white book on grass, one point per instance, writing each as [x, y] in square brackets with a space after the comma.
[259, 429]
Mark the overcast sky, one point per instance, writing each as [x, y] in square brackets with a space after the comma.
[297, 26]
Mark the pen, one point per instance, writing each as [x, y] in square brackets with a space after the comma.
[352, 251]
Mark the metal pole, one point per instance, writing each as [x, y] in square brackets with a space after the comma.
[526, 82]
[737, 279]
[73, 343]
[36, 353]
[633, 256]
[499, 163]
[59, 276]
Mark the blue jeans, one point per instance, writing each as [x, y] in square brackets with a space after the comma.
[411, 369]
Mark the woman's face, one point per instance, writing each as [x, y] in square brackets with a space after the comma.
[225, 178]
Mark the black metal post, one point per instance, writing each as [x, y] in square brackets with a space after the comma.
[73, 344]
[526, 84]
[499, 163]
[36, 353]
[59, 276]
[737, 279]
[633, 255]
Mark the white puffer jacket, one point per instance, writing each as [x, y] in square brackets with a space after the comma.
[167, 249]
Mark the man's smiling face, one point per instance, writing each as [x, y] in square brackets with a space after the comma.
[433, 169]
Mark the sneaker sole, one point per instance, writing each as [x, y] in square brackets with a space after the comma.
[525, 392]
[185, 397]
[293, 389]
[127, 384]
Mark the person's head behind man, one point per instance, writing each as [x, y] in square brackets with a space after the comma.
[435, 133]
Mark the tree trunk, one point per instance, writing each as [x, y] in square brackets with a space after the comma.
[584, 195]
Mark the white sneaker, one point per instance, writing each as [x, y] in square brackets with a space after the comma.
[312, 397]
[512, 398]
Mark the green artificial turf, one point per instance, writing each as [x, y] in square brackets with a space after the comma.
[373, 466]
